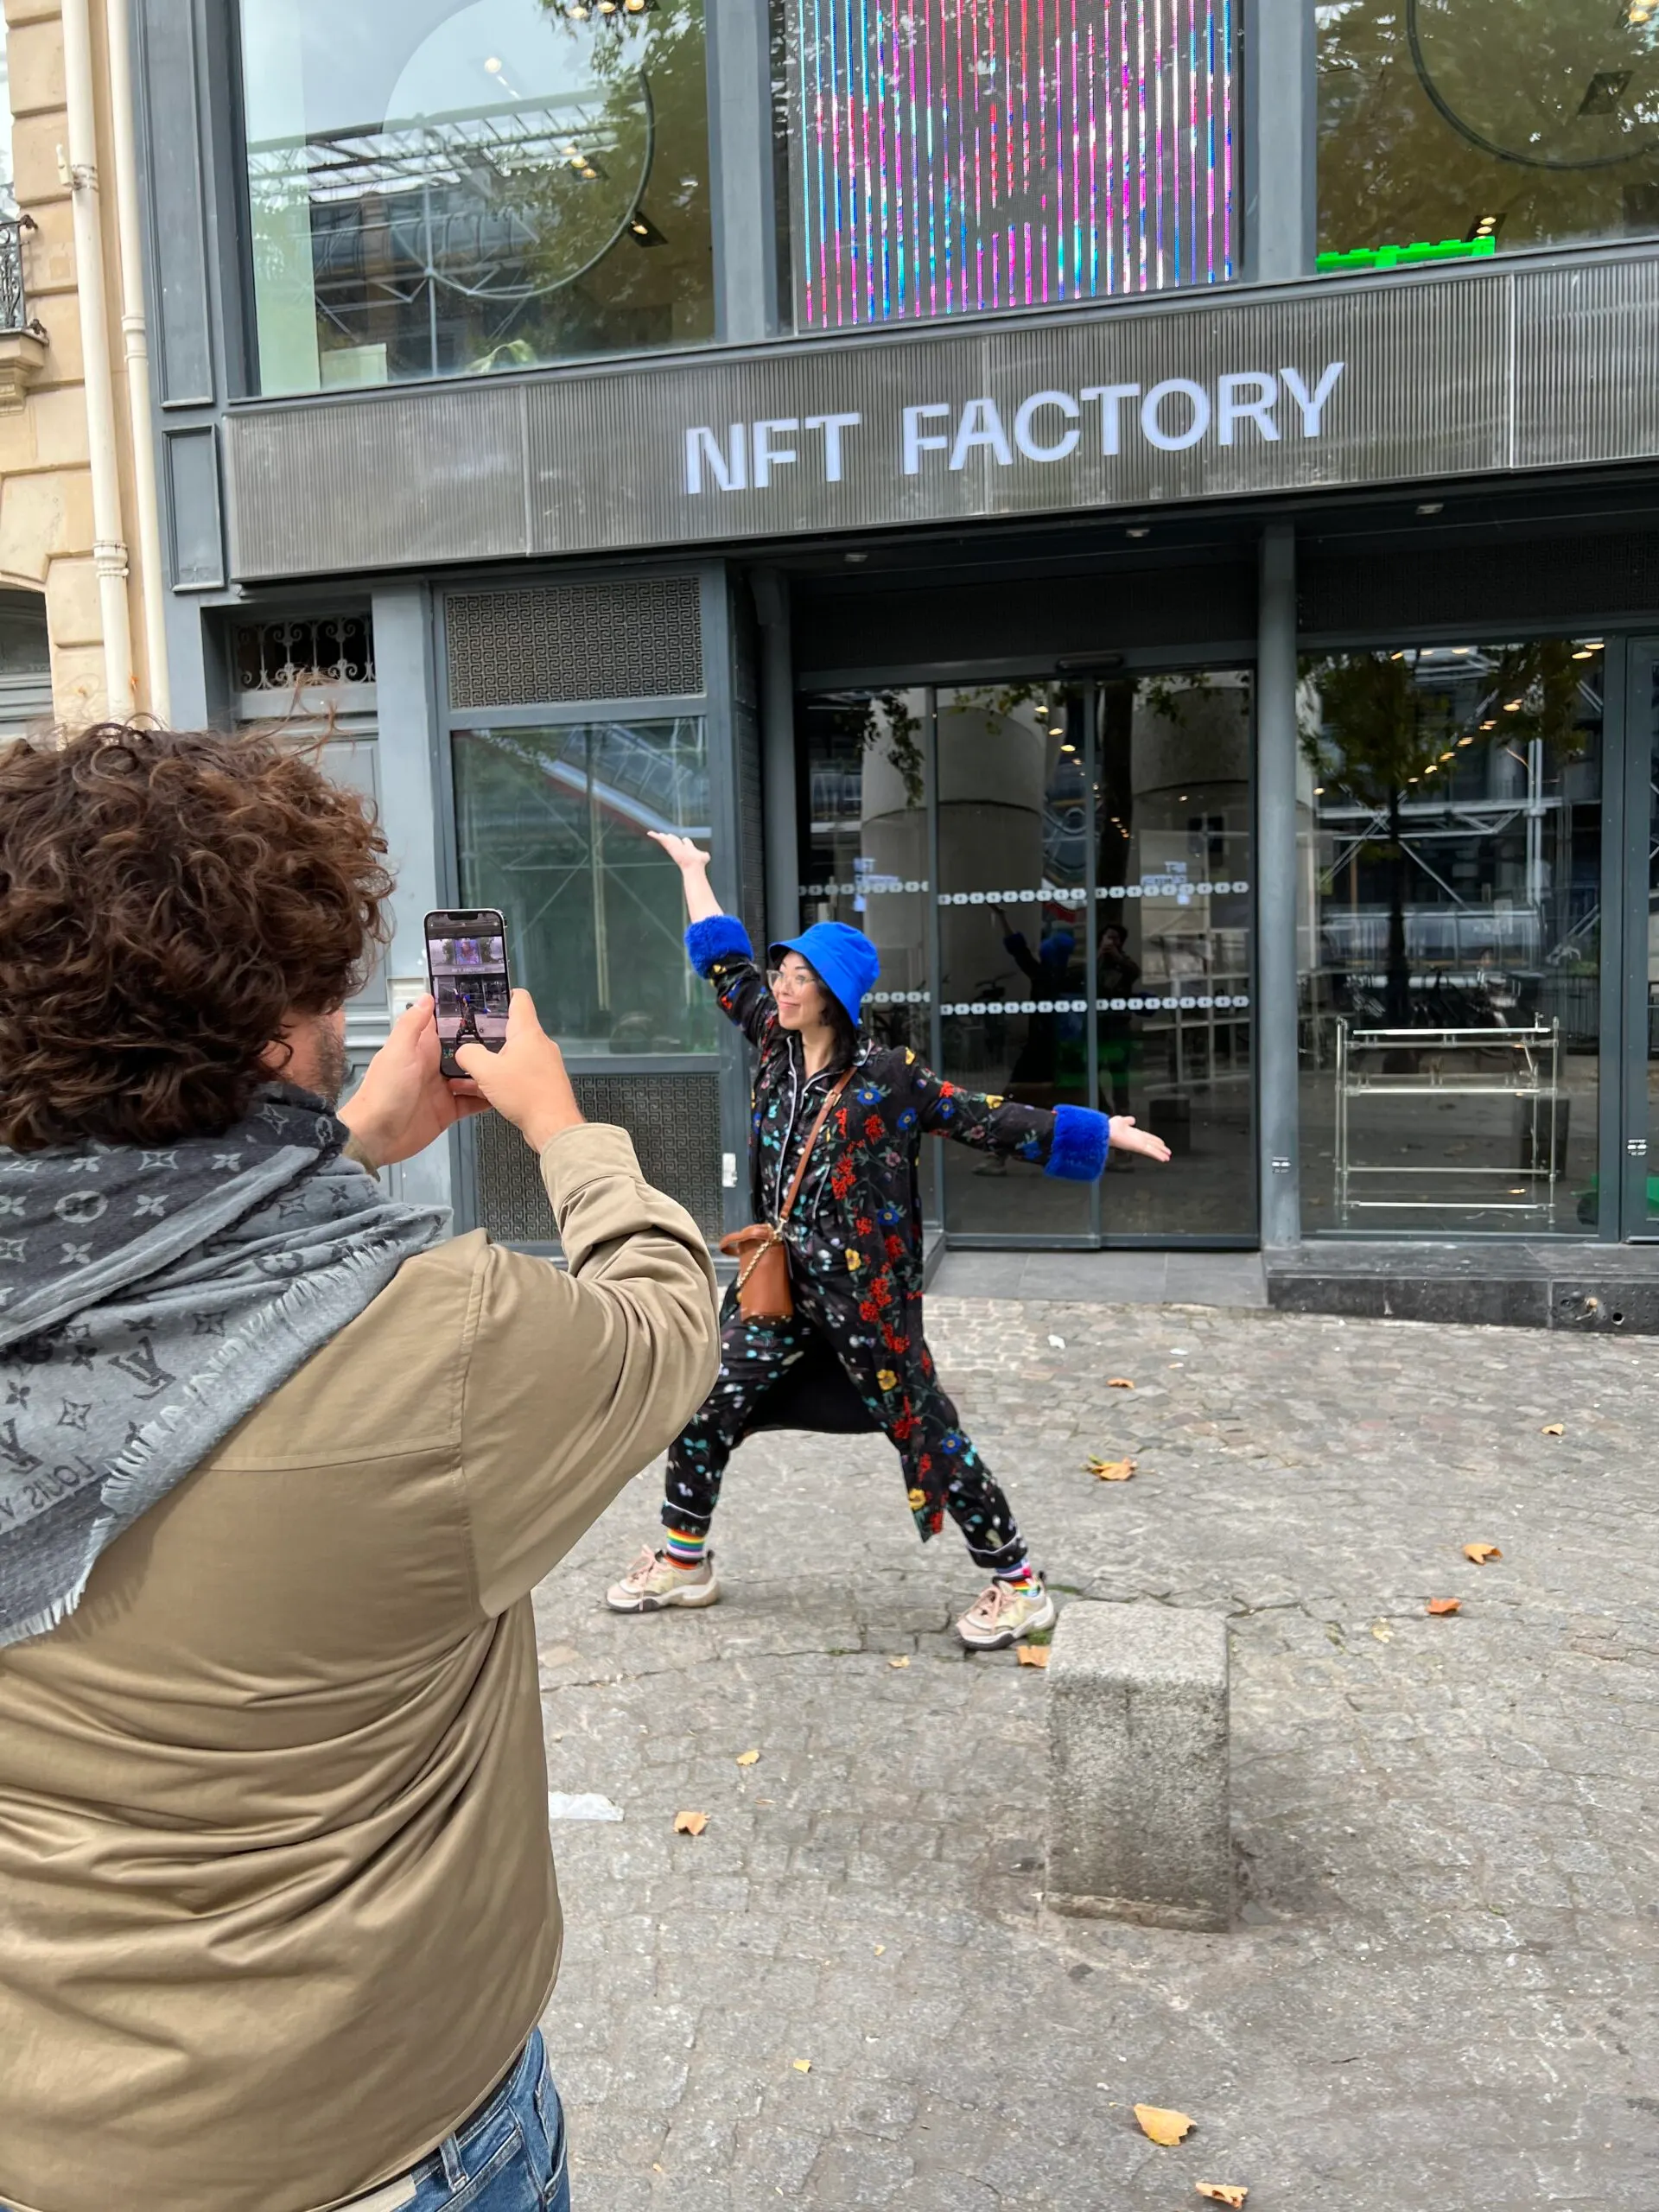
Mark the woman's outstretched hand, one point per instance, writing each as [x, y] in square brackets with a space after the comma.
[680, 850]
[1126, 1138]
[701, 904]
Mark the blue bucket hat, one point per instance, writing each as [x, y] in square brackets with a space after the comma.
[843, 959]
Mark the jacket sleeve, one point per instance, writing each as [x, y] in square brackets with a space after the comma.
[1072, 1142]
[720, 950]
[575, 1378]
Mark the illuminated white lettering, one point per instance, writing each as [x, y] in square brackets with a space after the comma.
[1197, 398]
[917, 442]
[1311, 404]
[1232, 406]
[832, 426]
[731, 474]
[1111, 398]
[981, 425]
[1066, 443]
[768, 456]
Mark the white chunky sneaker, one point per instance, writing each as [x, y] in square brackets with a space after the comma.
[653, 1582]
[1001, 1615]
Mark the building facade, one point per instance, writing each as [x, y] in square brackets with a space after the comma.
[1148, 507]
[81, 590]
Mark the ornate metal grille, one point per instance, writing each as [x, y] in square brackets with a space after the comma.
[14, 300]
[638, 639]
[318, 649]
[674, 1121]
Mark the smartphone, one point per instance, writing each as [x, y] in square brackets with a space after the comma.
[466, 963]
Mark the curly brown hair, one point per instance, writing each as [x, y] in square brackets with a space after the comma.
[167, 898]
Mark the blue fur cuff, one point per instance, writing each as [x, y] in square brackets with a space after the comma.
[1081, 1140]
[718, 938]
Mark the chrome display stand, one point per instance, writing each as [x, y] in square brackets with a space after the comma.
[1529, 1070]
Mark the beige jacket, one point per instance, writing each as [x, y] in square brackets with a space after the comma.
[277, 1902]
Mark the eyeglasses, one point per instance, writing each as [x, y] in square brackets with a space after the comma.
[791, 976]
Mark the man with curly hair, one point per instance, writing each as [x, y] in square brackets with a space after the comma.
[280, 1464]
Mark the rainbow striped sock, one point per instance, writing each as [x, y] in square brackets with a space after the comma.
[1023, 1577]
[684, 1547]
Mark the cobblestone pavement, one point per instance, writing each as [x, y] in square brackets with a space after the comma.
[1446, 1988]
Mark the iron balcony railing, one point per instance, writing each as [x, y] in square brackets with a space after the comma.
[14, 300]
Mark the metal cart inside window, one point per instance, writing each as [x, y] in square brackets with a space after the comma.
[1522, 1064]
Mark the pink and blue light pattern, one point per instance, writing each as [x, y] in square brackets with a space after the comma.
[959, 155]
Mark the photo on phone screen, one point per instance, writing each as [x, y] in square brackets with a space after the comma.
[466, 961]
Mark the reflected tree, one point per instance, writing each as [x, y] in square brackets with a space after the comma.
[1373, 730]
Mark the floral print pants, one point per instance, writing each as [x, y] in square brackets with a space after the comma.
[937, 1457]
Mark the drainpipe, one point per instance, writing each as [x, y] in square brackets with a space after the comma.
[135, 338]
[78, 165]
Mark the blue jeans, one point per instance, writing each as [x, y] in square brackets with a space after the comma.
[509, 2157]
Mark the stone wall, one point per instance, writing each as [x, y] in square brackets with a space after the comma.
[46, 497]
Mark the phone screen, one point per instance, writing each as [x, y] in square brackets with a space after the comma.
[466, 961]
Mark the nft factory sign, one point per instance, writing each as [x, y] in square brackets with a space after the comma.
[1045, 427]
[1328, 385]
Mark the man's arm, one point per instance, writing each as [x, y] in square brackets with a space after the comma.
[573, 1380]
[576, 1379]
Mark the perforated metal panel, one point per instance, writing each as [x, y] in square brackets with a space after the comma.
[674, 1121]
[1522, 581]
[640, 638]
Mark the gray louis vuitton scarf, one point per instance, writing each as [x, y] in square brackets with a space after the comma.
[148, 1301]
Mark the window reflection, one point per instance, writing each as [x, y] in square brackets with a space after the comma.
[437, 190]
[1450, 934]
[553, 828]
[1521, 122]
[865, 854]
[1092, 912]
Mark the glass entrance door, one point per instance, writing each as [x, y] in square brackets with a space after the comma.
[1059, 879]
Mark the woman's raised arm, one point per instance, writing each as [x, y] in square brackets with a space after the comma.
[701, 904]
[718, 945]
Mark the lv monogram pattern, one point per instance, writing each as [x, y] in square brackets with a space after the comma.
[150, 1298]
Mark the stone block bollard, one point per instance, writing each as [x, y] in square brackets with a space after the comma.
[1138, 1796]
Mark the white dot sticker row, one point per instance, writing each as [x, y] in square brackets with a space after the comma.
[1235, 1002]
[1151, 886]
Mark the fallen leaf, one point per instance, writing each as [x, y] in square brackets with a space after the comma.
[880, 1949]
[1381, 1631]
[1555, 1428]
[1222, 2192]
[1119, 1382]
[802, 2065]
[1033, 1655]
[898, 1663]
[1112, 1471]
[690, 1823]
[1166, 2127]
[1446, 1604]
[1481, 1553]
[748, 1758]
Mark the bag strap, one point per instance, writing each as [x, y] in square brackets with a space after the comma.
[806, 1149]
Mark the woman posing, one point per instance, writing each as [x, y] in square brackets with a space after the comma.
[854, 1241]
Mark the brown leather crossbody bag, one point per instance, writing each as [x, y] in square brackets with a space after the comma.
[763, 1291]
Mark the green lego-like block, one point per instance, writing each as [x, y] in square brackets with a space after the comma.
[1406, 257]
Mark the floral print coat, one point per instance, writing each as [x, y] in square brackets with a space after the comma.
[855, 1234]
